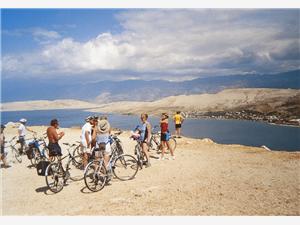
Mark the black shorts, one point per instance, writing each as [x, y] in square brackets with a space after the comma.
[2, 149]
[54, 149]
[163, 137]
[178, 125]
[22, 140]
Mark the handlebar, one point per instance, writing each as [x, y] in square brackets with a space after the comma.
[67, 144]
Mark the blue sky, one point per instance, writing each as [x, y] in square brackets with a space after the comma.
[118, 44]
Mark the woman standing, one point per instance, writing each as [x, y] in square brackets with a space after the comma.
[165, 136]
[145, 136]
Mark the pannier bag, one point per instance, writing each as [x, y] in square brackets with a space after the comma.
[41, 167]
[29, 153]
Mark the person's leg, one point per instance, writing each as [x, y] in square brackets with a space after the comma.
[163, 149]
[145, 150]
[170, 148]
[85, 159]
[177, 131]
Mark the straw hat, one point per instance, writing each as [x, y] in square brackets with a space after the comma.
[103, 126]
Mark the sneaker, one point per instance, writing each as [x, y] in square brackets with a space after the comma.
[173, 157]
[148, 164]
[162, 158]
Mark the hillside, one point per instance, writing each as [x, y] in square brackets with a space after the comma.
[45, 105]
[138, 90]
[262, 100]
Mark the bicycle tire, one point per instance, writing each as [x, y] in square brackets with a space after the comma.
[77, 152]
[173, 143]
[36, 157]
[125, 167]
[95, 176]
[138, 152]
[55, 178]
[17, 155]
[75, 169]
[155, 142]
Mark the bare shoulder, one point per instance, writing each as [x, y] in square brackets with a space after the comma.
[50, 129]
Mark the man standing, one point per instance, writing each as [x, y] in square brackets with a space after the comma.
[86, 139]
[54, 137]
[178, 120]
[22, 133]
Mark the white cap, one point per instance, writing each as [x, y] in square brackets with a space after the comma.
[23, 120]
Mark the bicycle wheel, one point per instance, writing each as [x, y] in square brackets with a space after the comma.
[138, 152]
[45, 153]
[55, 179]
[77, 152]
[17, 155]
[75, 168]
[125, 167]
[173, 143]
[36, 157]
[95, 176]
[155, 142]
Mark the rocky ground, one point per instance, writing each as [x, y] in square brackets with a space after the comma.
[205, 179]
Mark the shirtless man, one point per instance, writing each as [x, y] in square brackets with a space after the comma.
[54, 137]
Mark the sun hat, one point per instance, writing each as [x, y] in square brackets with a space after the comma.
[103, 126]
[23, 120]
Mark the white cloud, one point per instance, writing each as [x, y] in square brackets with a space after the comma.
[179, 43]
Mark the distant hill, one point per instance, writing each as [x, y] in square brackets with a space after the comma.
[139, 90]
[285, 101]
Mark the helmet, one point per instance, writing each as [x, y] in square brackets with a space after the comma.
[88, 118]
[23, 120]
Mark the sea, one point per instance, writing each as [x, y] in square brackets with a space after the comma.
[249, 133]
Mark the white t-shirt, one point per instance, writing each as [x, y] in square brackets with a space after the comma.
[86, 127]
[22, 130]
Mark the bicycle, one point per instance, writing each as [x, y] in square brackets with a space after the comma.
[34, 152]
[57, 176]
[122, 166]
[17, 152]
[155, 143]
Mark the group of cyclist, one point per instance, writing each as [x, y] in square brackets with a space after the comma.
[95, 135]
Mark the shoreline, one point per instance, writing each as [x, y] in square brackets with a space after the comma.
[205, 139]
[151, 114]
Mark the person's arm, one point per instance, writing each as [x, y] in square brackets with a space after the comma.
[32, 131]
[148, 127]
[87, 138]
[56, 137]
[94, 133]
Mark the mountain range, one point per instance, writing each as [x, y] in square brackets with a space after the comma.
[138, 90]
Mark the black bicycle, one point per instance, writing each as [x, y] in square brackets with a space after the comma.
[122, 166]
[57, 176]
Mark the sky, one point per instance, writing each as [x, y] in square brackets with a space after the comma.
[168, 44]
